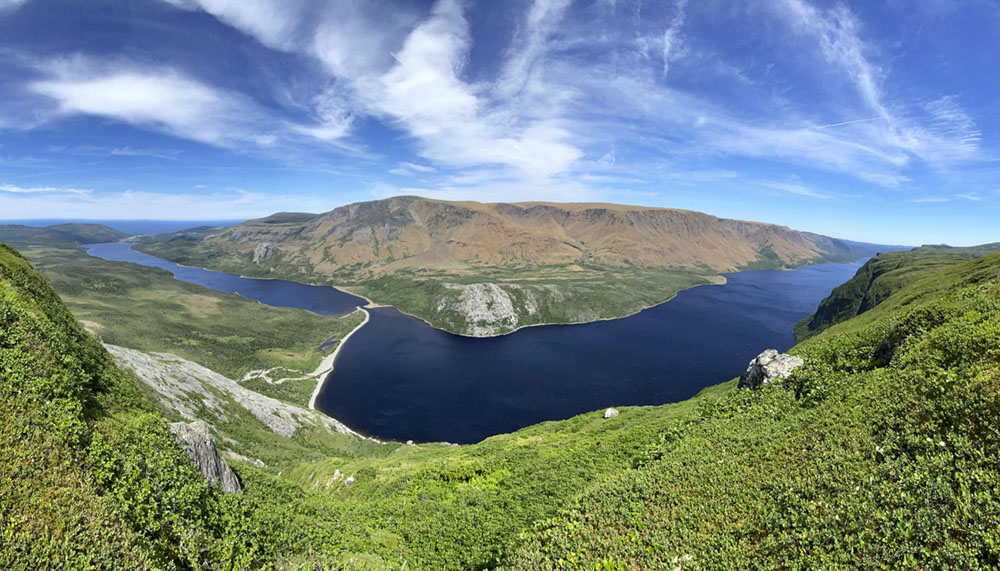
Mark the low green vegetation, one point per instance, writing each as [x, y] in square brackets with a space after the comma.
[145, 308]
[537, 295]
[879, 452]
[549, 294]
[58, 235]
[879, 278]
[517, 295]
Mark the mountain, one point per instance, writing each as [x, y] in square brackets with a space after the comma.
[879, 451]
[882, 276]
[485, 269]
[410, 233]
[70, 234]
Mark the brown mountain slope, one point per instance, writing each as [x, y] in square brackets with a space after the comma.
[501, 266]
[421, 234]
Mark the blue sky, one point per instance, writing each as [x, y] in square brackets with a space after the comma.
[873, 120]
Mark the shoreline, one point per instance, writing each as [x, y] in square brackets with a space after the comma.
[717, 279]
[323, 376]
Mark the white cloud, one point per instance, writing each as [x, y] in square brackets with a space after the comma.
[163, 100]
[945, 135]
[418, 87]
[529, 45]
[48, 190]
[671, 37]
[405, 168]
[798, 189]
[10, 4]
[274, 22]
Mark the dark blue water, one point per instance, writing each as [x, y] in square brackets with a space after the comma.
[318, 299]
[399, 378]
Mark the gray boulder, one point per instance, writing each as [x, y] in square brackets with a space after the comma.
[611, 413]
[199, 444]
[263, 252]
[766, 367]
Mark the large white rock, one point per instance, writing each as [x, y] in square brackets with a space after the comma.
[199, 444]
[263, 252]
[768, 366]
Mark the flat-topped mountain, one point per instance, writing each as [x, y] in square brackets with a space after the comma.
[483, 269]
[415, 233]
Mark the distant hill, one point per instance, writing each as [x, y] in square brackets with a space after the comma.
[60, 235]
[483, 269]
[882, 276]
[409, 233]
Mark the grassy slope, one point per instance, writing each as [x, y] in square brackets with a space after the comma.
[147, 309]
[861, 464]
[879, 278]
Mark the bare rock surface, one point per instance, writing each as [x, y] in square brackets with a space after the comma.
[263, 252]
[184, 386]
[767, 367]
[197, 441]
[487, 308]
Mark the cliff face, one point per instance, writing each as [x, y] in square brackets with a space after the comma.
[412, 233]
[879, 278]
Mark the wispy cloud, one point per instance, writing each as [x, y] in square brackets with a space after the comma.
[420, 89]
[163, 100]
[10, 4]
[48, 190]
[671, 37]
[972, 197]
[798, 189]
[406, 168]
[133, 152]
[574, 97]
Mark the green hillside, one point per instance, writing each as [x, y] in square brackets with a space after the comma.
[861, 460]
[58, 235]
[879, 278]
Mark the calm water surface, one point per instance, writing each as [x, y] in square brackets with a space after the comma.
[398, 378]
[281, 293]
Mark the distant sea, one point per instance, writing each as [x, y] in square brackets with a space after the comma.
[133, 226]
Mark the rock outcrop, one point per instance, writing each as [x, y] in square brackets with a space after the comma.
[200, 447]
[611, 413]
[185, 387]
[767, 367]
[486, 307]
[263, 252]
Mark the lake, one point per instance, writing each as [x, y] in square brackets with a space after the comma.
[280, 293]
[398, 378]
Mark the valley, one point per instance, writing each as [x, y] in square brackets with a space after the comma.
[488, 269]
[649, 488]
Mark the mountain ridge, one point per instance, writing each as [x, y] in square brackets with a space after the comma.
[489, 269]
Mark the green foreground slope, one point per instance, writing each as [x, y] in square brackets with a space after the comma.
[862, 461]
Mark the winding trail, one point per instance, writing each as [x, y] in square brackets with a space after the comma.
[326, 366]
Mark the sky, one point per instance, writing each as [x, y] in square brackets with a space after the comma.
[872, 120]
